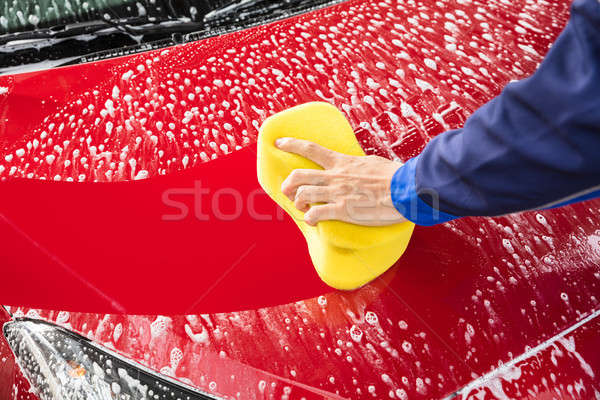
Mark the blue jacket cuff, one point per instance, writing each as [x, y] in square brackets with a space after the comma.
[407, 201]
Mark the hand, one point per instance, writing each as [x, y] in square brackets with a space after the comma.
[353, 189]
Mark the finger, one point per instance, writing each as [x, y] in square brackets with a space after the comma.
[321, 212]
[307, 195]
[314, 152]
[301, 177]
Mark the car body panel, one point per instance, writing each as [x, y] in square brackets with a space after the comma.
[163, 114]
[466, 298]
[158, 243]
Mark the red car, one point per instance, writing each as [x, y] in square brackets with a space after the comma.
[101, 106]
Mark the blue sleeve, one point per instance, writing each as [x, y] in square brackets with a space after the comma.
[536, 145]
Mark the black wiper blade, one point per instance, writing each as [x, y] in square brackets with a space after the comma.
[55, 32]
[255, 9]
[133, 26]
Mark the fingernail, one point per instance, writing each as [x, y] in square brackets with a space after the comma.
[279, 142]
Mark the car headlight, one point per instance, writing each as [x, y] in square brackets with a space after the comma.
[62, 365]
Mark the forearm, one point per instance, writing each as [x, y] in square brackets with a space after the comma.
[534, 146]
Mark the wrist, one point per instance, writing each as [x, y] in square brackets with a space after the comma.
[408, 202]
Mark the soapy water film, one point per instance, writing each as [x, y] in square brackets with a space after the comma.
[402, 72]
[415, 66]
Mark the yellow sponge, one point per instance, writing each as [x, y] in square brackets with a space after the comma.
[346, 256]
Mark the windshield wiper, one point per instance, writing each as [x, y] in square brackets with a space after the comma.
[256, 9]
[133, 26]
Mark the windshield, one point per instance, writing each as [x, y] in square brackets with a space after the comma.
[28, 15]
[38, 34]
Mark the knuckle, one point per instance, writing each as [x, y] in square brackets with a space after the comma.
[335, 212]
[345, 188]
[377, 158]
[316, 213]
[287, 191]
[345, 159]
[310, 146]
[295, 177]
[287, 187]
[301, 193]
[295, 174]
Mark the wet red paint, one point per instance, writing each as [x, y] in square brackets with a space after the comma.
[197, 266]
[464, 298]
